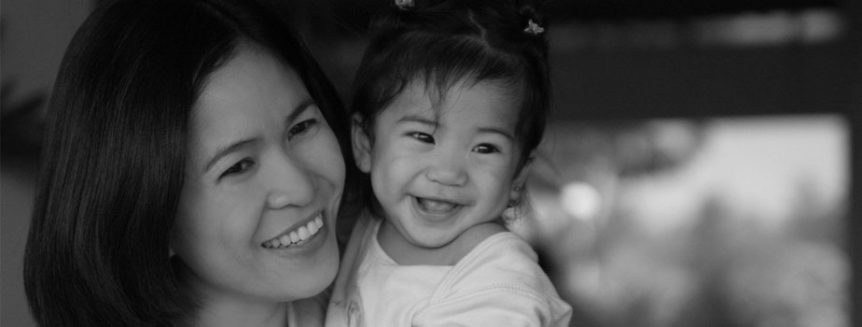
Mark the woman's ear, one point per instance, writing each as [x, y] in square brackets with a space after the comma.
[361, 144]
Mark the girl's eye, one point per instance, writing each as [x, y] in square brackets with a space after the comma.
[238, 168]
[422, 137]
[301, 127]
[486, 148]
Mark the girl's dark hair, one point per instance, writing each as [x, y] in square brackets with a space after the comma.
[442, 42]
[116, 147]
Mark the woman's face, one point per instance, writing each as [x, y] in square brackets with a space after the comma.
[263, 184]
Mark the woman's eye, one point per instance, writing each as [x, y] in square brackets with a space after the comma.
[486, 148]
[238, 168]
[422, 137]
[301, 127]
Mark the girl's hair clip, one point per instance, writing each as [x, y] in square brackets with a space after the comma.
[404, 4]
[532, 27]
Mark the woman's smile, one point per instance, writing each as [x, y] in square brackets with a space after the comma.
[259, 214]
[298, 235]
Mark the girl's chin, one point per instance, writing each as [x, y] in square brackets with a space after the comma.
[432, 241]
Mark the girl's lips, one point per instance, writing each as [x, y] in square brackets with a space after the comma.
[435, 207]
[297, 235]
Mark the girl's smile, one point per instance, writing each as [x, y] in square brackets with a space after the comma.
[436, 209]
[441, 165]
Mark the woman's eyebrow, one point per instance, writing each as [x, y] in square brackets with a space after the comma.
[225, 150]
[299, 109]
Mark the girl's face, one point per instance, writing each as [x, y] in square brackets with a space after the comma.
[263, 184]
[441, 167]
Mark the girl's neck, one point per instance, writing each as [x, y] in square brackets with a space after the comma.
[406, 253]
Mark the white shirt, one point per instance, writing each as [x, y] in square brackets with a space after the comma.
[498, 283]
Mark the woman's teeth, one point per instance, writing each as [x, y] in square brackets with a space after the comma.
[296, 236]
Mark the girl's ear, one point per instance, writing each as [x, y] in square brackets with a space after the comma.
[521, 179]
[361, 144]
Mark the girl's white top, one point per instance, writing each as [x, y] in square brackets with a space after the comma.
[498, 283]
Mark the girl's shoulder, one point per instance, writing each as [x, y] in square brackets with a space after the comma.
[502, 258]
[471, 238]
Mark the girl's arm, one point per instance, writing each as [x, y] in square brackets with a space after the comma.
[498, 307]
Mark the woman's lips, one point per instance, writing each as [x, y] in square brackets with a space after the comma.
[296, 236]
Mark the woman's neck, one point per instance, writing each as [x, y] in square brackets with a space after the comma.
[218, 307]
[232, 312]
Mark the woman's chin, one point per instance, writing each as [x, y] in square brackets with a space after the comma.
[315, 280]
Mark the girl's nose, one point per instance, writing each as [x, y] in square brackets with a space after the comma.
[290, 184]
[448, 171]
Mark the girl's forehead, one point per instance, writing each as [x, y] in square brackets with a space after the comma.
[464, 100]
[440, 86]
[438, 96]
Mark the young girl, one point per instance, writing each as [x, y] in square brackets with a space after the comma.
[449, 105]
[193, 168]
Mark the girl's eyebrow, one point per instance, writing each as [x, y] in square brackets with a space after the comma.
[225, 150]
[423, 120]
[417, 119]
[497, 130]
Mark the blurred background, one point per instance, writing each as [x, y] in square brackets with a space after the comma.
[701, 167]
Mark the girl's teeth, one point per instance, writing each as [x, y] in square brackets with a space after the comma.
[296, 236]
[432, 205]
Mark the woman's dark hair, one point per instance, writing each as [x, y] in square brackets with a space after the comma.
[442, 42]
[116, 147]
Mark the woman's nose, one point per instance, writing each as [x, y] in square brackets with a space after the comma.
[290, 184]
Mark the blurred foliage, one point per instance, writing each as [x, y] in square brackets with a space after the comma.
[21, 122]
[723, 268]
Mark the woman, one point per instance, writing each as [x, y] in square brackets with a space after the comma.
[193, 168]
